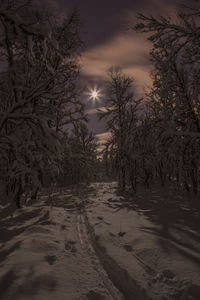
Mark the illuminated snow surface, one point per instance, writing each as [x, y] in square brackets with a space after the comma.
[65, 246]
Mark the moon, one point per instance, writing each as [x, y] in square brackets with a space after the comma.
[94, 94]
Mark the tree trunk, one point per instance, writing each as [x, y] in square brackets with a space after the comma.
[18, 194]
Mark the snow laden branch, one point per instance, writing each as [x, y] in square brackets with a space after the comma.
[122, 117]
[173, 103]
[38, 93]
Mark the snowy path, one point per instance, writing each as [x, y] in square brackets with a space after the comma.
[87, 244]
[48, 255]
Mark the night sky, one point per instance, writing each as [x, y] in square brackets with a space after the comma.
[109, 41]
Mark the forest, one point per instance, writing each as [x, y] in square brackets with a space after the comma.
[47, 146]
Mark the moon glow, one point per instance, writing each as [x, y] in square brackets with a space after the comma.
[94, 94]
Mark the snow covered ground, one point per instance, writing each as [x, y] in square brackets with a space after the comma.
[43, 254]
[62, 246]
[158, 245]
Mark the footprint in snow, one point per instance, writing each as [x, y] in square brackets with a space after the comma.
[50, 259]
[168, 274]
[63, 227]
[111, 234]
[128, 248]
[94, 295]
[70, 246]
[121, 233]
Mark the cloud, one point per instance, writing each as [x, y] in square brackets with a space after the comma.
[91, 111]
[95, 110]
[102, 138]
[127, 50]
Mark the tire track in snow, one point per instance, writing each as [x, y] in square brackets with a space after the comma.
[117, 282]
[87, 246]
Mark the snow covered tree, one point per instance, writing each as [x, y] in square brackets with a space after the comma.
[174, 103]
[120, 113]
[38, 97]
[80, 156]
